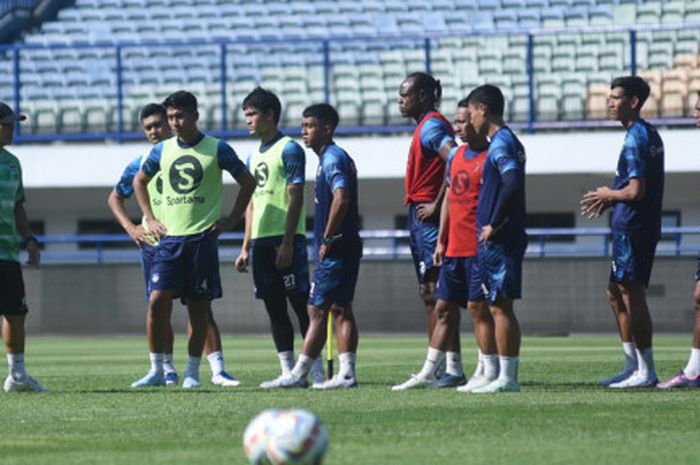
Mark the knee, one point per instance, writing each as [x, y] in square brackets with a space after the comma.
[613, 293]
[427, 293]
[696, 298]
[15, 321]
[343, 313]
[479, 311]
[315, 313]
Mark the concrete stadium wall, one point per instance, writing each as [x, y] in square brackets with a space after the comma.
[560, 296]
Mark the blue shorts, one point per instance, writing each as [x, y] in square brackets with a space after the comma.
[335, 280]
[459, 281]
[269, 280]
[422, 237]
[500, 268]
[632, 257]
[147, 254]
[188, 266]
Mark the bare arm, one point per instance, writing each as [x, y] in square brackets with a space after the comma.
[22, 223]
[116, 205]
[594, 203]
[441, 245]
[247, 184]
[296, 202]
[339, 206]
[242, 260]
[141, 180]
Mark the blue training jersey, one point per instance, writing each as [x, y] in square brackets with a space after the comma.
[336, 170]
[506, 154]
[642, 157]
[125, 186]
[433, 135]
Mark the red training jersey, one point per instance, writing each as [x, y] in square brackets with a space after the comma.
[424, 175]
[465, 183]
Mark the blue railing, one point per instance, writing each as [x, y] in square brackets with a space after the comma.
[379, 244]
[327, 60]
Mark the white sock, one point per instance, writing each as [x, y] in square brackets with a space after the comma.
[216, 362]
[168, 366]
[645, 363]
[347, 365]
[16, 364]
[156, 362]
[192, 370]
[630, 356]
[286, 361]
[479, 370]
[692, 369]
[302, 367]
[432, 361]
[509, 368]
[491, 366]
[454, 364]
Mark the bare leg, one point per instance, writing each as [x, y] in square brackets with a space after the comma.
[345, 329]
[507, 327]
[428, 295]
[619, 309]
[199, 319]
[696, 332]
[446, 327]
[160, 307]
[634, 297]
[484, 326]
[212, 343]
[316, 333]
[13, 333]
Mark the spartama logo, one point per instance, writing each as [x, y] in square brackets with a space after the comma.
[460, 182]
[262, 172]
[186, 174]
[159, 183]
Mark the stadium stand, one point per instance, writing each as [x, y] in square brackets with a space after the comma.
[66, 89]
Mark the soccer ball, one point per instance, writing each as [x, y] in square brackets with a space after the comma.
[298, 438]
[256, 436]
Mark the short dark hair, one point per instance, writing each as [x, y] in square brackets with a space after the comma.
[427, 83]
[264, 100]
[152, 109]
[490, 96]
[323, 112]
[634, 86]
[182, 100]
[464, 103]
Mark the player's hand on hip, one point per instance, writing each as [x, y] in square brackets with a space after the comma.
[34, 254]
[486, 233]
[284, 256]
[138, 235]
[242, 262]
[156, 228]
[425, 210]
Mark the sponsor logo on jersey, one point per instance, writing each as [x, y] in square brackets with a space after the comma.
[186, 174]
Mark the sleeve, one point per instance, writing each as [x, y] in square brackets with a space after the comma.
[294, 159]
[510, 186]
[124, 187]
[504, 157]
[152, 164]
[247, 161]
[19, 196]
[448, 168]
[228, 160]
[635, 146]
[434, 135]
[335, 171]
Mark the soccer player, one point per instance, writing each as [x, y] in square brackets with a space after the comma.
[635, 198]
[13, 306]
[501, 227]
[154, 122]
[455, 254]
[419, 94]
[275, 226]
[690, 375]
[186, 262]
[338, 250]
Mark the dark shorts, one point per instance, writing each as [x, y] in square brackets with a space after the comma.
[335, 280]
[697, 271]
[632, 257]
[188, 266]
[422, 237]
[12, 297]
[147, 254]
[269, 280]
[500, 268]
[459, 281]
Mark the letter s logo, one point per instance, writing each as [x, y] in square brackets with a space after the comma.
[186, 174]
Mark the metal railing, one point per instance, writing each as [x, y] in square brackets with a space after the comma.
[378, 244]
[327, 60]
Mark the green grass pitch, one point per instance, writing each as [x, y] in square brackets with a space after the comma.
[91, 416]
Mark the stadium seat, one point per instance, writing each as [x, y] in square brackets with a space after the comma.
[601, 15]
[673, 12]
[625, 14]
[649, 13]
